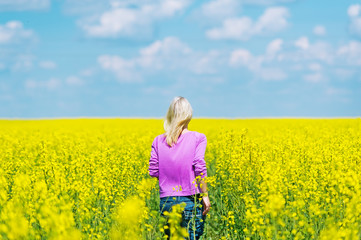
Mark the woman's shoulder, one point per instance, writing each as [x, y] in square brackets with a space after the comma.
[199, 136]
[160, 136]
[196, 134]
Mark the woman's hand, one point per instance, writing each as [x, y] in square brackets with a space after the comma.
[206, 204]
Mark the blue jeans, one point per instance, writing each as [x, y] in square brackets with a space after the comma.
[190, 212]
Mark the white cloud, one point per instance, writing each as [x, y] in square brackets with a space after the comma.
[14, 32]
[122, 68]
[24, 5]
[276, 62]
[319, 51]
[233, 28]
[162, 7]
[319, 30]
[115, 22]
[47, 64]
[274, 46]
[130, 20]
[274, 19]
[336, 91]
[302, 43]
[220, 9]
[23, 63]
[308, 58]
[314, 77]
[265, 2]
[355, 18]
[170, 7]
[240, 57]
[169, 53]
[354, 10]
[163, 53]
[53, 83]
[208, 63]
[243, 57]
[351, 53]
[307, 51]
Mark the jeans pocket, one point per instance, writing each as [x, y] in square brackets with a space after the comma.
[190, 213]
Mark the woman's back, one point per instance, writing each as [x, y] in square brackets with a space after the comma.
[177, 160]
[179, 165]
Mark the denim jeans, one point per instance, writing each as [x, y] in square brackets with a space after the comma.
[190, 214]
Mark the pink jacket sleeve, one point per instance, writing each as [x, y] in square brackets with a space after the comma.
[153, 161]
[199, 164]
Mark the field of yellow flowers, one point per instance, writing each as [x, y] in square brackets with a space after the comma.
[267, 179]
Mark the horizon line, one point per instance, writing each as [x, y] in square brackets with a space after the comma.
[200, 117]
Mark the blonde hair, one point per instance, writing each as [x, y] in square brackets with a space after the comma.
[178, 116]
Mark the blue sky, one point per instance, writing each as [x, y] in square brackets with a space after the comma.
[229, 58]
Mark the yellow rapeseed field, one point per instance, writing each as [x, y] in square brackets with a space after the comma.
[268, 179]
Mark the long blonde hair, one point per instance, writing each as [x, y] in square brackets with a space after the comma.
[178, 116]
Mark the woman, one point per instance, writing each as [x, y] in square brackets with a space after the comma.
[177, 160]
